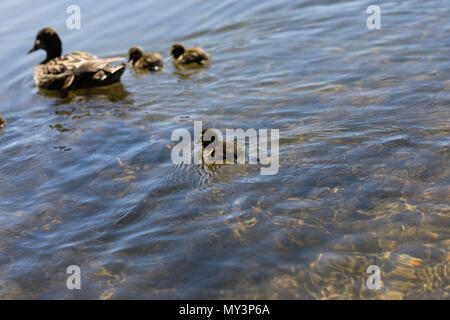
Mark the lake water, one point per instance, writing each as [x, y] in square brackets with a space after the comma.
[364, 154]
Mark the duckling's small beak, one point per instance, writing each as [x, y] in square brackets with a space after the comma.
[36, 47]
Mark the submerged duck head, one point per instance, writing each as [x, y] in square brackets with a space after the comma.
[177, 50]
[48, 40]
[135, 54]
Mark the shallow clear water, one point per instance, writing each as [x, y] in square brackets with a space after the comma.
[364, 154]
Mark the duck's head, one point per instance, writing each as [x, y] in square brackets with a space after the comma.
[48, 40]
[177, 50]
[135, 54]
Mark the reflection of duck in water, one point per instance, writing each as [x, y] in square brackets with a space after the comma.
[73, 71]
[112, 93]
[143, 61]
[183, 58]
[3, 122]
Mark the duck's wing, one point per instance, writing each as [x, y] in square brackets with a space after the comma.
[96, 72]
[74, 60]
[51, 76]
[78, 70]
[57, 73]
[95, 65]
[86, 61]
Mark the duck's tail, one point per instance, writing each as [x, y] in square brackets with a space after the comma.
[116, 71]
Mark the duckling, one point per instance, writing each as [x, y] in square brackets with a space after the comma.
[73, 71]
[189, 58]
[145, 61]
[225, 147]
[3, 122]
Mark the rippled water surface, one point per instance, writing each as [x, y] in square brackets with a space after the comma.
[364, 153]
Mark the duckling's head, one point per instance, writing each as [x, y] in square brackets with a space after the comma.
[205, 142]
[48, 40]
[135, 54]
[177, 50]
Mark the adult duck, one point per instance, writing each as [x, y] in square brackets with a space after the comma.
[183, 58]
[73, 71]
[144, 61]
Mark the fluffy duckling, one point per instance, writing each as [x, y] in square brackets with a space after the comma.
[141, 60]
[212, 153]
[183, 58]
[3, 122]
[73, 71]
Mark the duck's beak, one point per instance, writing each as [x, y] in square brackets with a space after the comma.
[36, 47]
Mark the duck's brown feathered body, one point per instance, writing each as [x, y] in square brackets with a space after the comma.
[73, 71]
[77, 70]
